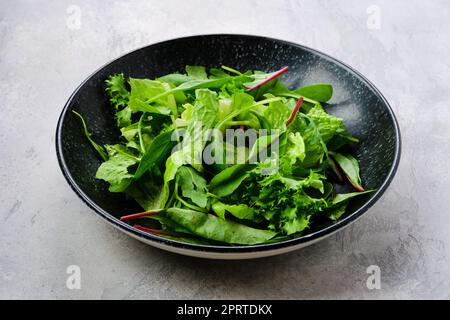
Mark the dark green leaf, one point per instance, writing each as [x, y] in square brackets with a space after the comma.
[96, 146]
[229, 179]
[339, 198]
[158, 151]
[211, 227]
[350, 167]
[318, 92]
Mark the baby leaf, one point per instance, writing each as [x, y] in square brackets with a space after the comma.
[228, 180]
[115, 170]
[157, 152]
[240, 211]
[193, 186]
[339, 198]
[318, 92]
[350, 167]
[96, 146]
[211, 227]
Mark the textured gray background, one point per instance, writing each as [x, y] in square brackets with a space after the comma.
[44, 227]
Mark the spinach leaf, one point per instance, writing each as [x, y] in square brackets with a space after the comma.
[318, 92]
[350, 167]
[336, 212]
[224, 183]
[147, 193]
[211, 227]
[157, 152]
[173, 163]
[339, 198]
[240, 211]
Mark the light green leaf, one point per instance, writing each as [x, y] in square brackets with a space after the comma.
[295, 147]
[193, 186]
[115, 169]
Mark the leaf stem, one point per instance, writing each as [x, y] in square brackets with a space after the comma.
[239, 111]
[238, 123]
[138, 215]
[231, 70]
[96, 146]
[151, 231]
[141, 142]
[273, 76]
[294, 112]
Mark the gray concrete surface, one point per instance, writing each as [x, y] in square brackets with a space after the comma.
[46, 51]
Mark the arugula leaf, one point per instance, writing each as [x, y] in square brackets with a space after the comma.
[350, 167]
[96, 146]
[115, 169]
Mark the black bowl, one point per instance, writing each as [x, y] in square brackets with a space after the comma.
[366, 112]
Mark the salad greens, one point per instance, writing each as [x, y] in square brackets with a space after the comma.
[223, 157]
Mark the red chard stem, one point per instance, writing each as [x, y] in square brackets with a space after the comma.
[294, 112]
[137, 215]
[273, 76]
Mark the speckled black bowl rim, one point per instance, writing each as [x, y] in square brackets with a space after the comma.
[234, 249]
